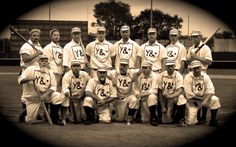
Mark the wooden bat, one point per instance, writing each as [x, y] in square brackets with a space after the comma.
[74, 107]
[22, 37]
[208, 38]
[44, 107]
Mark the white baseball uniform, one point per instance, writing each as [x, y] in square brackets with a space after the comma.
[126, 50]
[125, 93]
[73, 51]
[102, 91]
[44, 80]
[153, 53]
[178, 52]
[204, 52]
[147, 84]
[199, 86]
[54, 52]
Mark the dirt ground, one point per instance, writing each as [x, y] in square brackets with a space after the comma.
[114, 134]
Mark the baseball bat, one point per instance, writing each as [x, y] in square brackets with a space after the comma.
[44, 107]
[208, 38]
[22, 37]
[74, 107]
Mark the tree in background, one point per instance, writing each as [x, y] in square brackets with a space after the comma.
[112, 15]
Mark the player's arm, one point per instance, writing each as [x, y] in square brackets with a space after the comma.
[161, 100]
[178, 92]
[27, 58]
[26, 76]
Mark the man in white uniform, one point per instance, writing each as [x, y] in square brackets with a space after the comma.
[176, 50]
[74, 50]
[29, 57]
[127, 49]
[200, 92]
[99, 93]
[100, 52]
[42, 79]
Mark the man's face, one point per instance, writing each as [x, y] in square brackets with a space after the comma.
[170, 69]
[75, 69]
[43, 63]
[196, 71]
[76, 36]
[125, 34]
[101, 35]
[146, 70]
[173, 38]
[102, 76]
[34, 37]
[55, 36]
[196, 39]
[123, 68]
[152, 36]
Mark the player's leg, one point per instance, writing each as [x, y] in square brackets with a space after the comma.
[88, 104]
[132, 108]
[152, 105]
[214, 105]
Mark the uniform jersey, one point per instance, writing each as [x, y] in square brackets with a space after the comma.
[153, 53]
[198, 86]
[44, 80]
[77, 85]
[54, 52]
[100, 53]
[126, 50]
[124, 84]
[27, 49]
[147, 84]
[170, 83]
[101, 90]
[204, 52]
[73, 51]
[178, 52]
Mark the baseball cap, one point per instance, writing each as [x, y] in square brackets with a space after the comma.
[152, 30]
[101, 29]
[75, 62]
[75, 29]
[195, 63]
[170, 61]
[53, 30]
[102, 68]
[147, 64]
[43, 57]
[125, 28]
[196, 33]
[174, 32]
[124, 61]
[35, 30]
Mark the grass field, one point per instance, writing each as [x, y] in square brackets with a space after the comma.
[116, 134]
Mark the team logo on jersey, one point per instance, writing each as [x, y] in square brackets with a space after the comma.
[78, 52]
[172, 51]
[102, 91]
[151, 53]
[57, 54]
[169, 84]
[198, 87]
[123, 84]
[101, 52]
[145, 84]
[42, 81]
[125, 50]
[77, 85]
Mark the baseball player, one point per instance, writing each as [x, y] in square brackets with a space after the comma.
[28, 57]
[99, 93]
[54, 52]
[123, 81]
[171, 94]
[127, 49]
[200, 93]
[100, 52]
[203, 55]
[153, 52]
[73, 87]
[146, 88]
[176, 50]
[74, 50]
[42, 79]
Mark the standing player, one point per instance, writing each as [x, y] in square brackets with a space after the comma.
[176, 50]
[74, 50]
[123, 81]
[203, 55]
[28, 57]
[73, 86]
[43, 79]
[153, 52]
[100, 52]
[99, 93]
[126, 49]
[146, 88]
[200, 92]
[171, 94]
